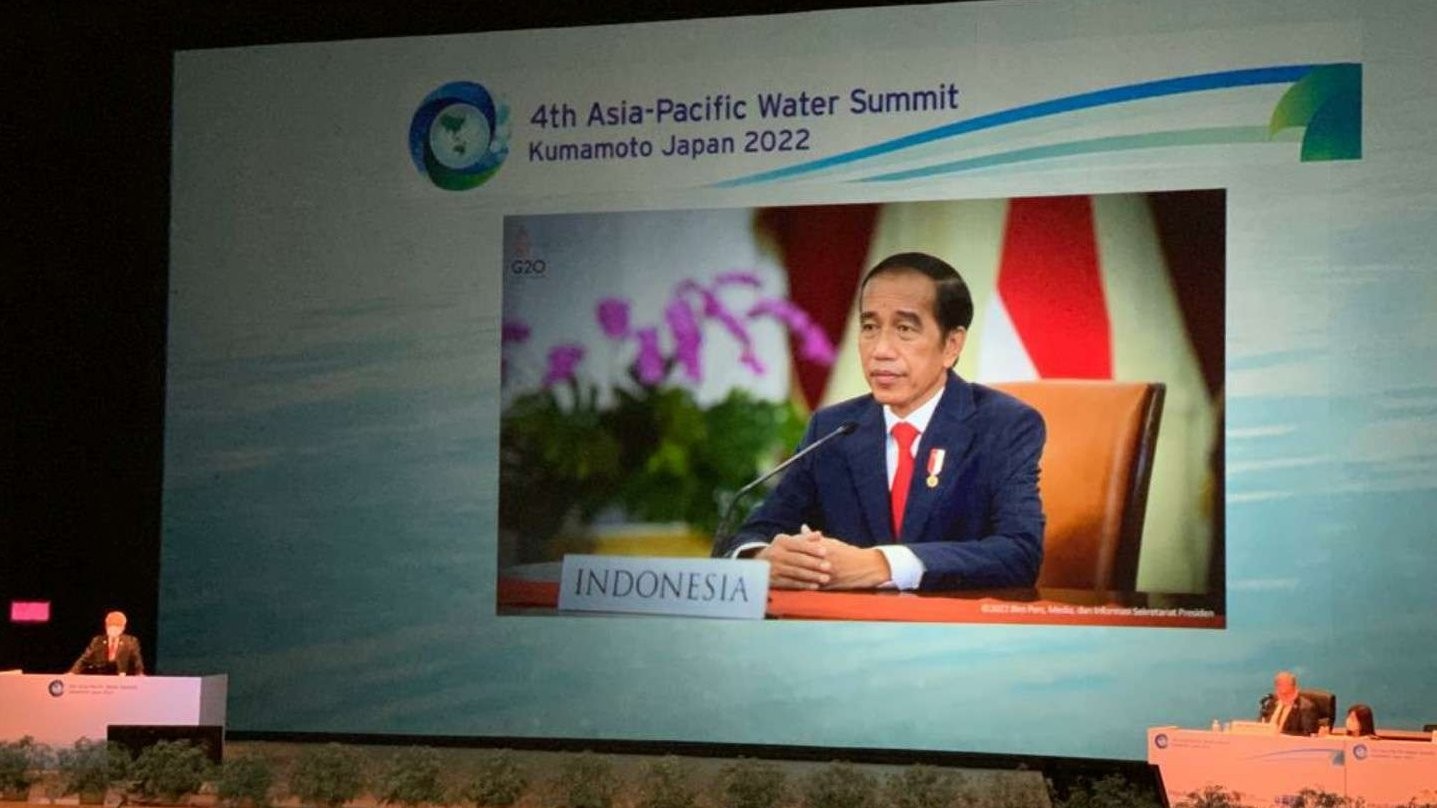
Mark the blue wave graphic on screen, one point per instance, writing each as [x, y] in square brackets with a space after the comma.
[1206, 136]
[1222, 80]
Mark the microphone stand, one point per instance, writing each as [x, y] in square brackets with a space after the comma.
[725, 526]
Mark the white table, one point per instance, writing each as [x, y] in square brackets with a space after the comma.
[1270, 769]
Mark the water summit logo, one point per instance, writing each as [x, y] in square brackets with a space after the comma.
[459, 136]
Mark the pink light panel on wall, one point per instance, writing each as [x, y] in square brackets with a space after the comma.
[29, 611]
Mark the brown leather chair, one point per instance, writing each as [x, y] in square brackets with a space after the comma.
[1094, 477]
[1325, 700]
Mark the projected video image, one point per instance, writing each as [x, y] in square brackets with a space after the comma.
[654, 363]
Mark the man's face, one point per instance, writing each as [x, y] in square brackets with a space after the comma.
[905, 355]
[1284, 687]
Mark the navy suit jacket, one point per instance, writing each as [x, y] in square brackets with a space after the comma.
[1302, 719]
[981, 526]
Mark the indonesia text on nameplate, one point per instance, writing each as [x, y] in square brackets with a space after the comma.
[698, 587]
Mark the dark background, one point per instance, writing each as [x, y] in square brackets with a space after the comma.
[84, 185]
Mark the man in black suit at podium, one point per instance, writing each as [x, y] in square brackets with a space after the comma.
[113, 652]
[1292, 712]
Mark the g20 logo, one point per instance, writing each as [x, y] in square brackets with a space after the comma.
[528, 266]
[459, 136]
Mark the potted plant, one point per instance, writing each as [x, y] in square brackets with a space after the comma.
[1212, 797]
[169, 771]
[329, 775]
[498, 781]
[666, 784]
[88, 767]
[1112, 791]
[20, 765]
[748, 783]
[411, 779]
[840, 785]
[637, 437]
[245, 782]
[587, 781]
[920, 786]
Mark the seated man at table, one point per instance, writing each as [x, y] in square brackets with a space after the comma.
[1287, 709]
[113, 652]
[936, 487]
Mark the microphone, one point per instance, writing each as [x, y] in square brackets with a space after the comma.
[722, 534]
[1265, 706]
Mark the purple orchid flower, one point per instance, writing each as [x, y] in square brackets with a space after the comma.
[687, 337]
[714, 309]
[513, 331]
[613, 316]
[814, 345]
[738, 277]
[752, 362]
[563, 361]
[779, 309]
[650, 363]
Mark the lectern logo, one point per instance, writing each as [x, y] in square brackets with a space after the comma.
[459, 136]
[1160, 741]
[1360, 751]
[57, 688]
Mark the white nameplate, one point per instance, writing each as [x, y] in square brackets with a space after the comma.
[697, 587]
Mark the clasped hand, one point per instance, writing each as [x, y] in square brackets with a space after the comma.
[811, 560]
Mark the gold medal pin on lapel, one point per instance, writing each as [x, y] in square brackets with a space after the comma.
[935, 465]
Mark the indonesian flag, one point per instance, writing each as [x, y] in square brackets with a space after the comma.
[1048, 318]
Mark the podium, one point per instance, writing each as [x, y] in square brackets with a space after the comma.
[58, 709]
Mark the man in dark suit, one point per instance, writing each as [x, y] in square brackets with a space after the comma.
[113, 652]
[937, 485]
[1285, 706]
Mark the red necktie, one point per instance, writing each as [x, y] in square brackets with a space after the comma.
[904, 433]
[114, 643]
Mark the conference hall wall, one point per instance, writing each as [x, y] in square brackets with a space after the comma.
[383, 253]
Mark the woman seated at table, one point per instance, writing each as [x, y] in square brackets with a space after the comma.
[1359, 721]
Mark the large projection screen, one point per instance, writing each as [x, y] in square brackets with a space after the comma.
[349, 220]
